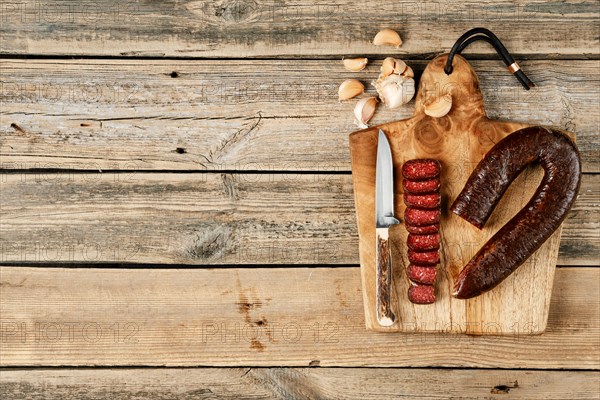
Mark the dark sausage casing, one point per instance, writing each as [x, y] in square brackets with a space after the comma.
[535, 223]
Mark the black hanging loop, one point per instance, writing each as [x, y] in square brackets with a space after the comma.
[486, 35]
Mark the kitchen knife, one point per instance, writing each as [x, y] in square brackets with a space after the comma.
[384, 211]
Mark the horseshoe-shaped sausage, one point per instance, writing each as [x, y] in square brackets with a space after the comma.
[533, 225]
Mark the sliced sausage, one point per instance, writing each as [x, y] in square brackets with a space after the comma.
[424, 258]
[423, 242]
[421, 169]
[423, 230]
[430, 200]
[421, 294]
[421, 217]
[422, 274]
[420, 187]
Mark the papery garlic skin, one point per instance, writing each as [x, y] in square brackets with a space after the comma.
[350, 88]
[395, 90]
[395, 85]
[364, 111]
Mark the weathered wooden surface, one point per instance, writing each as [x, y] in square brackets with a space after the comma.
[260, 115]
[207, 219]
[296, 383]
[272, 28]
[266, 116]
[260, 317]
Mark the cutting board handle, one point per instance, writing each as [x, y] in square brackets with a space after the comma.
[462, 84]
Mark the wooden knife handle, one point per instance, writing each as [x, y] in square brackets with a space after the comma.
[383, 276]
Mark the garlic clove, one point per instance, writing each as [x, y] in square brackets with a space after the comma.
[387, 67]
[408, 72]
[400, 66]
[350, 88]
[392, 66]
[387, 37]
[364, 110]
[355, 64]
[395, 90]
[439, 107]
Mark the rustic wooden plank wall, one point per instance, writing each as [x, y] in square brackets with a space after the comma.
[175, 192]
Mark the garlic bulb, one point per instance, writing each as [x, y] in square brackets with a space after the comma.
[387, 37]
[355, 64]
[439, 107]
[350, 88]
[364, 110]
[395, 85]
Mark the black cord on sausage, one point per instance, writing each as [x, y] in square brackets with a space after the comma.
[535, 223]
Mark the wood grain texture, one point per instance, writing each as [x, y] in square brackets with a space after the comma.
[209, 219]
[260, 317]
[297, 383]
[248, 28]
[259, 115]
[459, 140]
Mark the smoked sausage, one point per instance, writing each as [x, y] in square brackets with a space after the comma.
[535, 223]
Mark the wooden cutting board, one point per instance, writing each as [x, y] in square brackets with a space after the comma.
[519, 305]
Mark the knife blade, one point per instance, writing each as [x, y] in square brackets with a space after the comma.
[384, 212]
